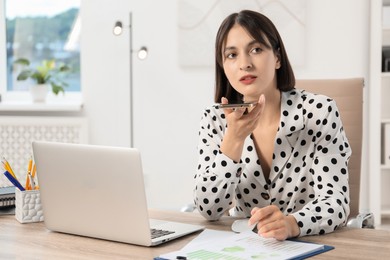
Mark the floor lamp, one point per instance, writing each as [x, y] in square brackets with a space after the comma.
[142, 53]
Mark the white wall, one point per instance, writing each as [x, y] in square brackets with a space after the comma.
[337, 39]
[168, 99]
[104, 74]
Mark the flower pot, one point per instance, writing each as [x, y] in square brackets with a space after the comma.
[39, 92]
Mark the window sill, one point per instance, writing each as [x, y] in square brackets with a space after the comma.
[72, 102]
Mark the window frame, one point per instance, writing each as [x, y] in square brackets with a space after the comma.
[3, 52]
[22, 97]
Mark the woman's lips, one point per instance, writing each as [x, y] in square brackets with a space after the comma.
[248, 79]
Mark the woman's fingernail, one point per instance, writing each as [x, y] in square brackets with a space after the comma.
[262, 99]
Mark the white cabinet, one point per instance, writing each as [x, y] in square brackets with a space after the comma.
[377, 173]
[385, 147]
[384, 91]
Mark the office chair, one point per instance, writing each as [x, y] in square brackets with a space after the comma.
[348, 94]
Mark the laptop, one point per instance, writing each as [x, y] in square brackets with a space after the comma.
[99, 192]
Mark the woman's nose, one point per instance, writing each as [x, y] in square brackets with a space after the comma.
[246, 67]
[246, 63]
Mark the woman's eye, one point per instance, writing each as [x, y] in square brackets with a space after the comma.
[230, 55]
[256, 50]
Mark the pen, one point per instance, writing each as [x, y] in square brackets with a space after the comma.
[28, 177]
[34, 170]
[8, 168]
[32, 182]
[13, 180]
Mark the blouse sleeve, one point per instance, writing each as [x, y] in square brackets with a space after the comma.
[217, 175]
[329, 208]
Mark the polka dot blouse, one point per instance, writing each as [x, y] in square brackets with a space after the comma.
[309, 173]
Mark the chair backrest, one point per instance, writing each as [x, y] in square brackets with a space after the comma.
[348, 94]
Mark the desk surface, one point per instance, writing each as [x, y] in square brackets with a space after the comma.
[33, 240]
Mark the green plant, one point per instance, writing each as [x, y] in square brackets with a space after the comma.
[46, 73]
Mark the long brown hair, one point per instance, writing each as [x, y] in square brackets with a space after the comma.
[262, 30]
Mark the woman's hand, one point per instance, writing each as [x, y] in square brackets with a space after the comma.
[271, 222]
[240, 125]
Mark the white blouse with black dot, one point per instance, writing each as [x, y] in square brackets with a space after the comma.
[309, 172]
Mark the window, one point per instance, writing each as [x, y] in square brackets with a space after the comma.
[38, 30]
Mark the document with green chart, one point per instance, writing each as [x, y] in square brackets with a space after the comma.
[226, 245]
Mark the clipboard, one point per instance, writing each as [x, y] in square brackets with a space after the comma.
[326, 248]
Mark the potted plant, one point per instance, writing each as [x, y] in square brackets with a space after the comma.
[44, 75]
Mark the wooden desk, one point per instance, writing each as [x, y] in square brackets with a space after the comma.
[34, 241]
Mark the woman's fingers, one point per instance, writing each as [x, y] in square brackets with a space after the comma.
[260, 106]
[259, 214]
[271, 222]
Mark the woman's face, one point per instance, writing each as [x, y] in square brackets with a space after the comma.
[249, 66]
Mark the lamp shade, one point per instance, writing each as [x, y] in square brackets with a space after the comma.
[118, 28]
[142, 53]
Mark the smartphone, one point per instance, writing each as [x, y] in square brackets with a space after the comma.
[245, 105]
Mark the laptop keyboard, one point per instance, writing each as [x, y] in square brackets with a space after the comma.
[159, 232]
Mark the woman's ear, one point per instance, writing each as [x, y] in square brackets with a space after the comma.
[277, 54]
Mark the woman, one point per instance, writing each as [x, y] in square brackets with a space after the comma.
[283, 163]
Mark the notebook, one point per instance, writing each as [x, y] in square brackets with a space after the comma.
[7, 196]
[7, 200]
[98, 191]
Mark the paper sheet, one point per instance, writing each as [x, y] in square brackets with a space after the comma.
[211, 244]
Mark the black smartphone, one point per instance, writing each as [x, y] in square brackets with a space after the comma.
[245, 105]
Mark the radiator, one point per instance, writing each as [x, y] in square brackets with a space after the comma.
[17, 133]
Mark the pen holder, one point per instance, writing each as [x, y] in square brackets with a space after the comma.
[28, 207]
